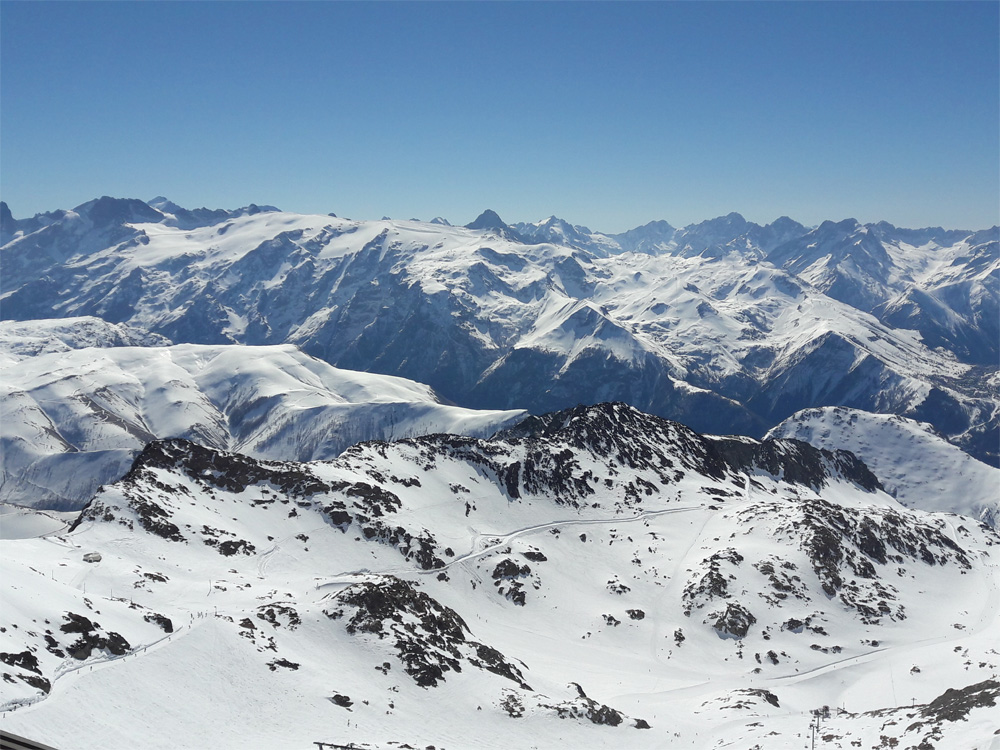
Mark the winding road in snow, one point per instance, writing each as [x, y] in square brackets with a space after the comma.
[497, 540]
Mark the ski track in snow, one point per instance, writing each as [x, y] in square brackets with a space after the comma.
[501, 539]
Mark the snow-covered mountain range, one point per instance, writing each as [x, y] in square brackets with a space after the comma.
[726, 325]
[590, 578]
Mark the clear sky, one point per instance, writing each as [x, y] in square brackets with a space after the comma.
[605, 114]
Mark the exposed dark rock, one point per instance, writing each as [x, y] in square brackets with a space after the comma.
[24, 660]
[163, 622]
[232, 546]
[91, 637]
[278, 615]
[735, 620]
[507, 568]
[583, 707]
[37, 681]
[955, 704]
[436, 645]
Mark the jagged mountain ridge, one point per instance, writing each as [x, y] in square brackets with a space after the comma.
[726, 325]
[81, 398]
[572, 581]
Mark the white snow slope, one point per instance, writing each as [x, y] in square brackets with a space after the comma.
[918, 467]
[73, 419]
[589, 575]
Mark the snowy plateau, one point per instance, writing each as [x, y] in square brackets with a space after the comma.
[296, 481]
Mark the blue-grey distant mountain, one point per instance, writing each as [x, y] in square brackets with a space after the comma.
[489, 220]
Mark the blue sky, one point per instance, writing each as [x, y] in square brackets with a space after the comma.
[608, 114]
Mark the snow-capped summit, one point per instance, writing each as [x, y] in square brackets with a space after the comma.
[164, 205]
[652, 238]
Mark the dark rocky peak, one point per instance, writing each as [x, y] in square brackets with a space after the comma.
[728, 227]
[838, 241]
[232, 472]
[732, 221]
[642, 441]
[111, 212]
[8, 224]
[598, 427]
[253, 209]
[716, 236]
[778, 232]
[488, 219]
[844, 225]
[786, 224]
[622, 434]
[796, 462]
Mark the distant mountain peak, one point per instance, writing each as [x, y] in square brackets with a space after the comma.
[107, 210]
[488, 219]
[164, 204]
[844, 225]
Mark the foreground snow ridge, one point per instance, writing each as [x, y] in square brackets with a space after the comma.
[594, 577]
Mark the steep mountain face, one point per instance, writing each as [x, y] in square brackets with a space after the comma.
[944, 284]
[75, 418]
[591, 578]
[727, 325]
[917, 467]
